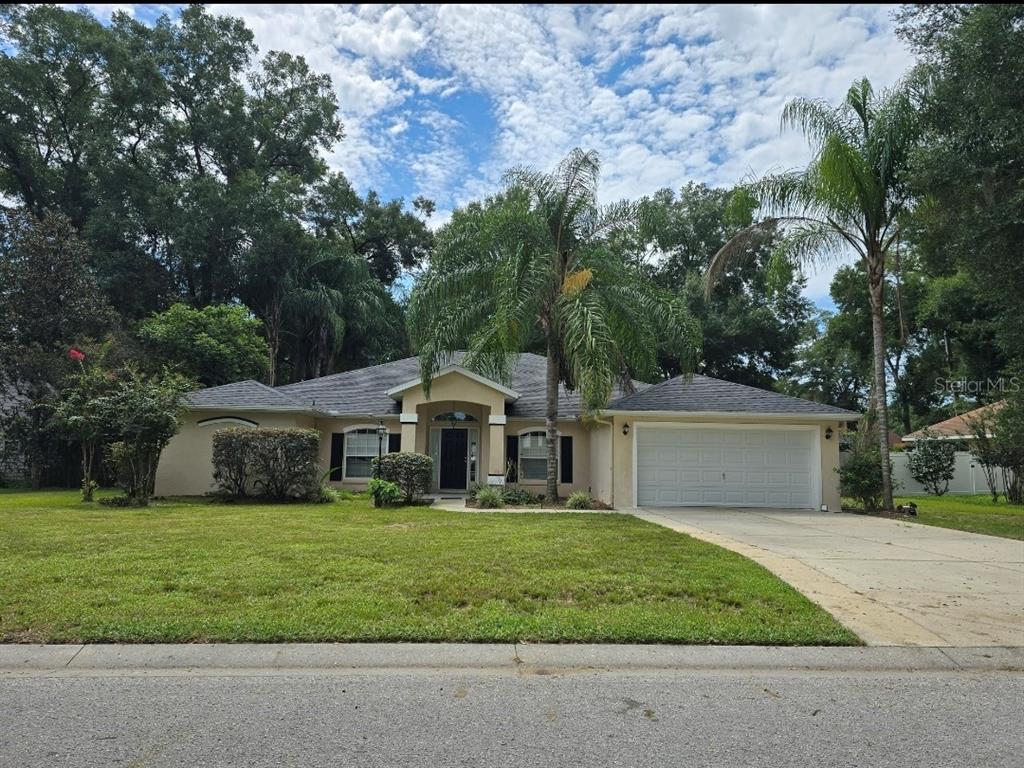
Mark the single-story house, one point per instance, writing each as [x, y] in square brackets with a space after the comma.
[955, 428]
[687, 441]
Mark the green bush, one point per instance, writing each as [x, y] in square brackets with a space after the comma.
[272, 463]
[860, 477]
[412, 472]
[932, 463]
[489, 498]
[232, 463]
[385, 491]
[518, 497]
[578, 500]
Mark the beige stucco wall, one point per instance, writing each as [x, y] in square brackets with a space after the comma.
[622, 451]
[600, 436]
[186, 464]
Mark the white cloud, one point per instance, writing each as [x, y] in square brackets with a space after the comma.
[666, 94]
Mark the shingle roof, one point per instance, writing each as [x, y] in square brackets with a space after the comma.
[704, 394]
[957, 426]
[363, 391]
[247, 394]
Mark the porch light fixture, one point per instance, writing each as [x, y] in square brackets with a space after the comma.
[625, 429]
[828, 433]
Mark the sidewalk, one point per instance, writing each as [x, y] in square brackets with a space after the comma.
[514, 658]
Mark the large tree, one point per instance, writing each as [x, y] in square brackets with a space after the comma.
[49, 304]
[968, 170]
[753, 322]
[536, 262]
[852, 196]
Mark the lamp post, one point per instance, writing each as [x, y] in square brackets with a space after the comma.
[381, 431]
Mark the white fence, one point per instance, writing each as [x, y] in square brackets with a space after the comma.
[968, 477]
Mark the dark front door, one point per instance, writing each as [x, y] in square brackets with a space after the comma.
[453, 459]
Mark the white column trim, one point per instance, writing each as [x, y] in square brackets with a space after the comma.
[408, 418]
[497, 420]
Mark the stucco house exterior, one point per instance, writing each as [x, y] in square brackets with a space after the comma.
[693, 441]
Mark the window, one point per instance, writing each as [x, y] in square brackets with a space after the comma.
[533, 456]
[454, 416]
[360, 446]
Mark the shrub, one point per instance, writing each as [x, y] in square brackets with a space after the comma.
[273, 463]
[385, 491]
[412, 472]
[861, 476]
[142, 413]
[932, 463]
[518, 497]
[232, 464]
[489, 498]
[578, 500]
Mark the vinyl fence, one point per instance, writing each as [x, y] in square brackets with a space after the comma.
[968, 477]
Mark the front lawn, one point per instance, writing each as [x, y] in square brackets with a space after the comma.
[186, 571]
[977, 514]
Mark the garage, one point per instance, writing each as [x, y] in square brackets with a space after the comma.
[736, 465]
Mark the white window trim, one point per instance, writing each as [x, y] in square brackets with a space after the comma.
[233, 420]
[520, 480]
[344, 450]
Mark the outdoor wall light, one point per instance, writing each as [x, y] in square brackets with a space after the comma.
[828, 433]
[625, 429]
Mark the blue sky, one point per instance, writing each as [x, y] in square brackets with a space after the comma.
[440, 100]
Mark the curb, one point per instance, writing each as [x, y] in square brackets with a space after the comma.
[523, 658]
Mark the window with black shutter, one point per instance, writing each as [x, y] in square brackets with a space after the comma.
[394, 442]
[512, 458]
[337, 456]
[566, 459]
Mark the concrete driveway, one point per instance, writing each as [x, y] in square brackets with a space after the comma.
[891, 582]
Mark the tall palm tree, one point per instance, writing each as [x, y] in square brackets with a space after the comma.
[536, 264]
[850, 196]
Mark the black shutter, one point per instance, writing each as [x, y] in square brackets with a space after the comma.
[511, 458]
[337, 455]
[566, 459]
[394, 442]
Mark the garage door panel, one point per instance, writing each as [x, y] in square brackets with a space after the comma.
[736, 467]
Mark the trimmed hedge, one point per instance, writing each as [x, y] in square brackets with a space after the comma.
[269, 463]
[412, 472]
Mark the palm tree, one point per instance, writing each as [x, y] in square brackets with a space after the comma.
[536, 265]
[850, 196]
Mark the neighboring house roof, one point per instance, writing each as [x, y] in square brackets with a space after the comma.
[372, 391]
[957, 427]
[703, 394]
[243, 395]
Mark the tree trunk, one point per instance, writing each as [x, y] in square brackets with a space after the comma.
[551, 422]
[877, 287]
[273, 327]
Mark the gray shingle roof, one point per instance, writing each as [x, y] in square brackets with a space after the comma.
[707, 395]
[362, 392]
[247, 394]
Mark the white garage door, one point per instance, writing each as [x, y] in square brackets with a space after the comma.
[744, 466]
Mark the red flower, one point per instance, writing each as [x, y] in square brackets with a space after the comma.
[76, 354]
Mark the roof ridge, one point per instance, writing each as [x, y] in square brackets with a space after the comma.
[330, 376]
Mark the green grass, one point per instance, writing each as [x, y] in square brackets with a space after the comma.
[977, 514]
[185, 570]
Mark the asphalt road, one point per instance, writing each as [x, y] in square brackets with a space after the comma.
[392, 717]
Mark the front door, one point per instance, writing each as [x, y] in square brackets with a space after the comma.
[453, 459]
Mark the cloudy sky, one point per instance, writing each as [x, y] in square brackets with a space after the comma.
[439, 101]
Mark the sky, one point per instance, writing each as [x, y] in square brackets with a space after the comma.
[441, 100]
